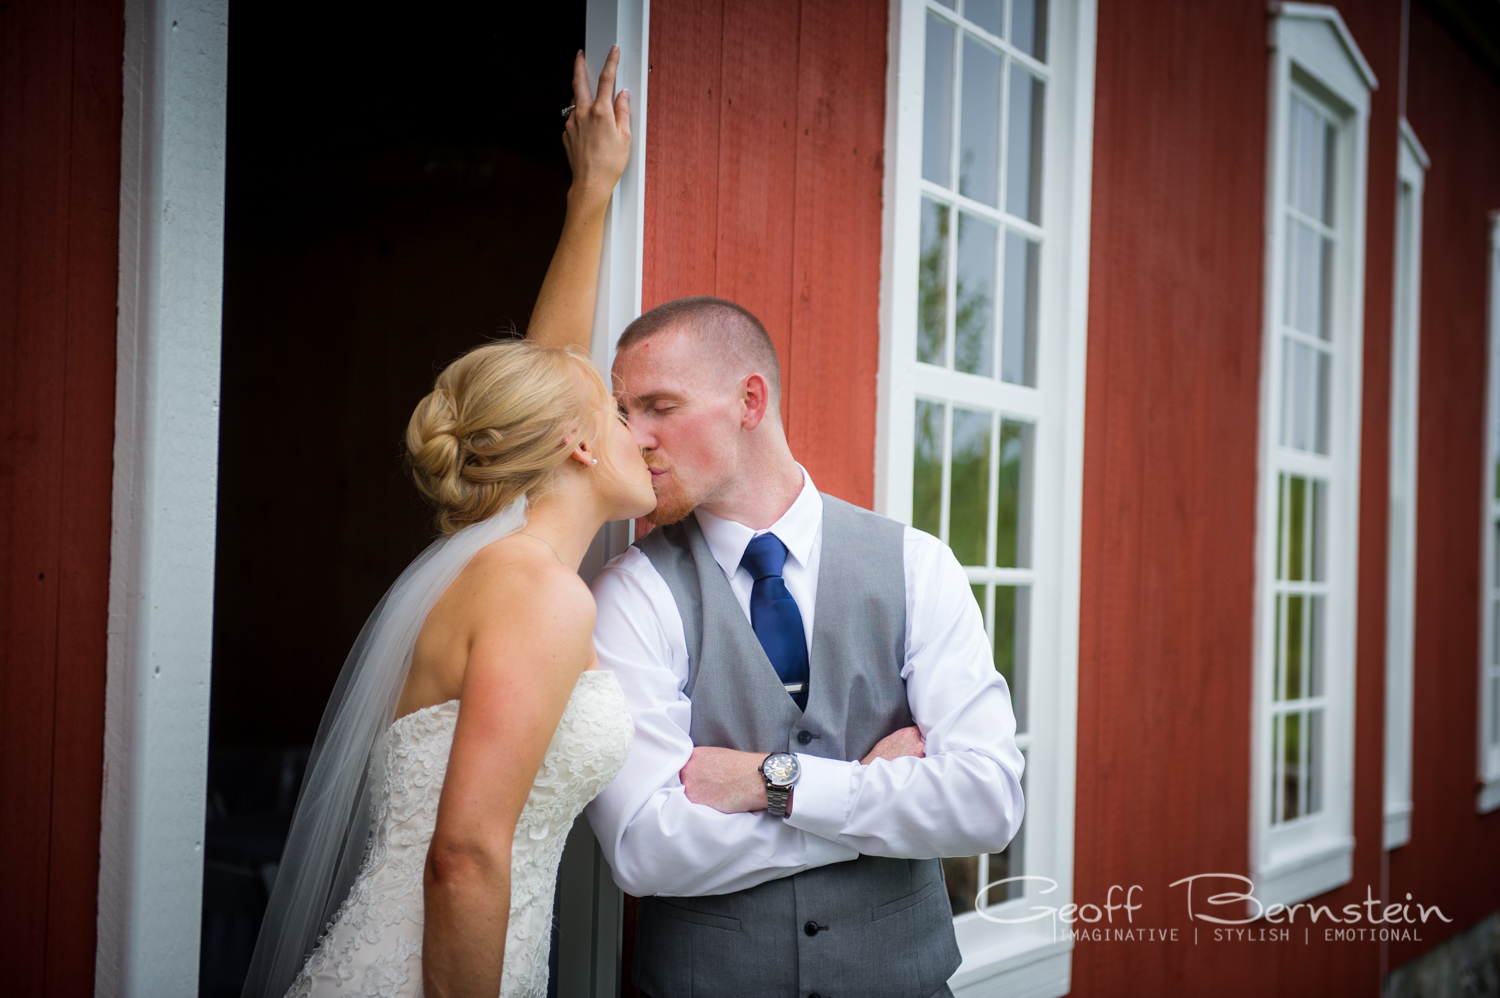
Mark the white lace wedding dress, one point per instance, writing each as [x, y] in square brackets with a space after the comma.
[374, 947]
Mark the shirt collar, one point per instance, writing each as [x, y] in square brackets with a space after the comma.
[797, 529]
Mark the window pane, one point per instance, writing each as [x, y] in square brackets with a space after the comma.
[1309, 261]
[969, 485]
[979, 138]
[932, 284]
[1296, 515]
[1013, 519]
[937, 103]
[1311, 162]
[1018, 334]
[974, 322]
[1291, 645]
[1305, 396]
[1011, 862]
[1023, 158]
[1315, 646]
[1291, 766]
[1314, 761]
[927, 469]
[1325, 369]
[1012, 645]
[1275, 769]
[962, 876]
[1277, 690]
[1319, 533]
[988, 14]
[1028, 27]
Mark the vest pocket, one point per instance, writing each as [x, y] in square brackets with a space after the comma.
[901, 904]
[697, 917]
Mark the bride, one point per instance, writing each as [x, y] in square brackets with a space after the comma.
[471, 724]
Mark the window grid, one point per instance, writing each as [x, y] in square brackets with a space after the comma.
[983, 372]
[1305, 472]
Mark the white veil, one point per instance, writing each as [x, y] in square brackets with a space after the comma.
[331, 826]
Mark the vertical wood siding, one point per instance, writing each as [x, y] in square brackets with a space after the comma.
[1170, 473]
[1454, 107]
[60, 106]
[763, 178]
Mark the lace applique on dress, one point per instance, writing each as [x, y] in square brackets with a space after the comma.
[373, 947]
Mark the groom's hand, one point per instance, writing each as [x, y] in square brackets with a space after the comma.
[903, 741]
[725, 780]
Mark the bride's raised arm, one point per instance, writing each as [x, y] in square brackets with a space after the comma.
[597, 138]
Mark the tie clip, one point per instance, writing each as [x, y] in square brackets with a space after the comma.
[795, 687]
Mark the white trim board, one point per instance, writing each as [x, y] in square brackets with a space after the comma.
[1401, 551]
[590, 913]
[1487, 753]
[165, 494]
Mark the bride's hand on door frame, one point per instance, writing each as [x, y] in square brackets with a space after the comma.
[597, 133]
[597, 140]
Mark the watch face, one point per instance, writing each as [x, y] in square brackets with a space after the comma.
[780, 769]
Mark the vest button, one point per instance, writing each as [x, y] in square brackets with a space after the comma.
[811, 928]
[804, 737]
[814, 995]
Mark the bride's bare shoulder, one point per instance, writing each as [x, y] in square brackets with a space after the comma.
[511, 584]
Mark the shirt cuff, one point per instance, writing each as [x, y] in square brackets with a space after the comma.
[825, 790]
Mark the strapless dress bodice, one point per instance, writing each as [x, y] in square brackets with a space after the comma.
[373, 947]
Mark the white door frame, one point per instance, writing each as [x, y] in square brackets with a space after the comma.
[165, 493]
[160, 637]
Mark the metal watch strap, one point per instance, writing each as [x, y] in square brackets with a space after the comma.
[776, 800]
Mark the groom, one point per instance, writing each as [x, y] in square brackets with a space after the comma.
[817, 711]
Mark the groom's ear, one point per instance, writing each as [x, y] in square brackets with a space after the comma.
[755, 398]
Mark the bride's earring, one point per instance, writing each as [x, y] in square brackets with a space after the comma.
[594, 461]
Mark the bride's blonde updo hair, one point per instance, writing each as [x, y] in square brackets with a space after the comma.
[498, 422]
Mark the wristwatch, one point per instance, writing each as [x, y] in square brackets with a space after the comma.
[780, 770]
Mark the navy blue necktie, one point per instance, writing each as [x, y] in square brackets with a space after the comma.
[774, 615]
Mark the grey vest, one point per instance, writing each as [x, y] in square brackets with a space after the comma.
[882, 927]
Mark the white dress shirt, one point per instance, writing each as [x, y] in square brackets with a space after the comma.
[962, 799]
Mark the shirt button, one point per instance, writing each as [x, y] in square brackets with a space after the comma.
[804, 737]
[811, 928]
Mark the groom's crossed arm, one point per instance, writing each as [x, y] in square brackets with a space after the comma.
[962, 798]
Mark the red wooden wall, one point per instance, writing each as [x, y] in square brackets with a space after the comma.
[763, 180]
[1454, 107]
[60, 107]
[1169, 486]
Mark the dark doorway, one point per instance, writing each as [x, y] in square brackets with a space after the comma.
[395, 185]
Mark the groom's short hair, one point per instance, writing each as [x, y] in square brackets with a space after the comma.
[729, 329]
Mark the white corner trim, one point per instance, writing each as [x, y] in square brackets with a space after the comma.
[622, 256]
[626, 23]
[165, 491]
[1409, 136]
[1322, 12]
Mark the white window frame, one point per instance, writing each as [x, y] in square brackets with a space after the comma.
[1312, 53]
[1401, 552]
[1488, 797]
[1030, 957]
